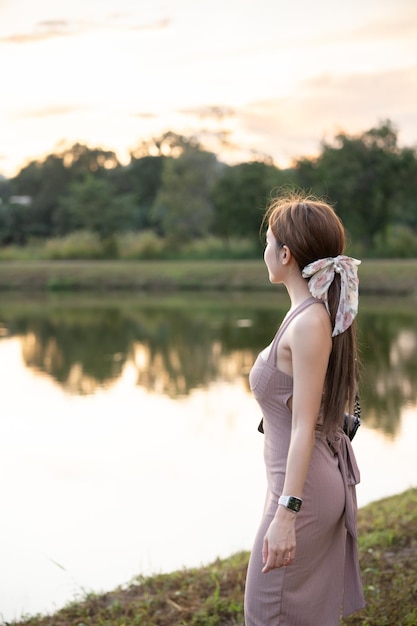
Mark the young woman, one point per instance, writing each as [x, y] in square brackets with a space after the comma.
[304, 563]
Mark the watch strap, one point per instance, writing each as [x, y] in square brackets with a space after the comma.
[290, 502]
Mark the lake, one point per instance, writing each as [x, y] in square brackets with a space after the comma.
[129, 440]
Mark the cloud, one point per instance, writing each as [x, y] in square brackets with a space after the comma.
[54, 24]
[47, 29]
[402, 27]
[293, 126]
[145, 115]
[126, 21]
[53, 110]
[392, 21]
[381, 94]
[401, 23]
[159, 24]
[51, 29]
[216, 111]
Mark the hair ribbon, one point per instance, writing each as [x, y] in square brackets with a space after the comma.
[321, 274]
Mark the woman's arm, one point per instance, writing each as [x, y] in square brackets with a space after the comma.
[309, 340]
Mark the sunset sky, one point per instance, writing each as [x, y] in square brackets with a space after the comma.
[282, 76]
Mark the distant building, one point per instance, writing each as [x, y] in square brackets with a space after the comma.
[22, 200]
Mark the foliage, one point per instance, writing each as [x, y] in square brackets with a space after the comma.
[240, 195]
[45, 182]
[14, 220]
[82, 244]
[142, 245]
[92, 204]
[213, 595]
[141, 179]
[217, 248]
[182, 208]
[147, 245]
[168, 144]
[181, 192]
[368, 178]
[399, 241]
[388, 550]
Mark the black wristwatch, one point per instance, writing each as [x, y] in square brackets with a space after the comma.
[291, 502]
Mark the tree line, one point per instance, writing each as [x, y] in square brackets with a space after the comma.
[177, 192]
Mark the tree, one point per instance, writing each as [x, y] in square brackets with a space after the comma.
[48, 180]
[360, 175]
[405, 213]
[92, 204]
[82, 160]
[142, 179]
[183, 208]
[240, 196]
[13, 223]
[168, 144]
[44, 182]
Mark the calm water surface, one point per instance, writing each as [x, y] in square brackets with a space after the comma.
[129, 438]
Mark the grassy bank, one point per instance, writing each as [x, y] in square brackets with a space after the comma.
[212, 595]
[379, 277]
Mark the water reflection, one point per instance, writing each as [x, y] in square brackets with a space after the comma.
[80, 349]
[176, 345]
[389, 362]
[117, 411]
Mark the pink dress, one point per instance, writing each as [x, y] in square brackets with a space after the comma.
[325, 573]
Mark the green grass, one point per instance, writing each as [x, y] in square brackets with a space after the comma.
[213, 595]
[379, 277]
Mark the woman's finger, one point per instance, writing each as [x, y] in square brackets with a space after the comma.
[270, 562]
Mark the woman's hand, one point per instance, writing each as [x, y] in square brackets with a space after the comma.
[279, 542]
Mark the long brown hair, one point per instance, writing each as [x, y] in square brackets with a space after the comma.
[311, 230]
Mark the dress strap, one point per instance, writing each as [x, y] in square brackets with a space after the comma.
[286, 322]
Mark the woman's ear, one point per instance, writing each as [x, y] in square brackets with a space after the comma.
[285, 255]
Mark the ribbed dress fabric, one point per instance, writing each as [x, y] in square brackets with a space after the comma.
[325, 573]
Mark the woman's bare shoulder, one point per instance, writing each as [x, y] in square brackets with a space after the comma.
[312, 322]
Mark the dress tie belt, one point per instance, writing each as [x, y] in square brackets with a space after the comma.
[353, 593]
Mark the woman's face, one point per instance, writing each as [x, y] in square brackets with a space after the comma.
[271, 258]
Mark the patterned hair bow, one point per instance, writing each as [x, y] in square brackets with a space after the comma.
[321, 274]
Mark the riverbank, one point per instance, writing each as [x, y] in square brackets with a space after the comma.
[377, 277]
[212, 595]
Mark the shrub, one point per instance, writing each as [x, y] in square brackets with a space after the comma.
[216, 248]
[82, 244]
[141, 245]
[21, 253]
[399, 242]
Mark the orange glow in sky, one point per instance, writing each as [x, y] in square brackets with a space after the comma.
[285, 75]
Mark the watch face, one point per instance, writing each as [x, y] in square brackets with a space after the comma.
[294, 504]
